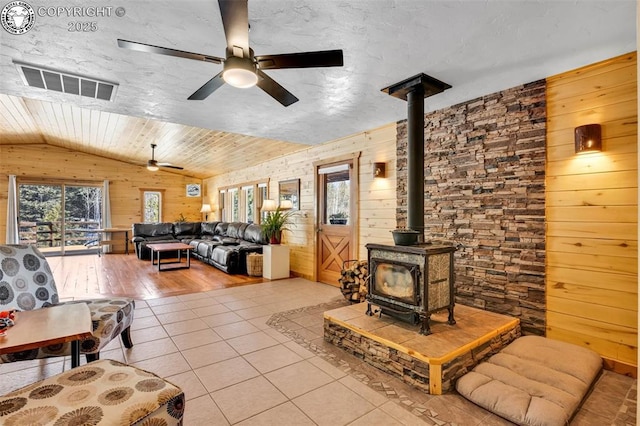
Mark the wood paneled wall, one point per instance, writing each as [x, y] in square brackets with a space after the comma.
[377, 198]
[591, 210]
[50, 163]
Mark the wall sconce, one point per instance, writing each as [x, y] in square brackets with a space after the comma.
[206, 209]
[379, 170]
[588, 138]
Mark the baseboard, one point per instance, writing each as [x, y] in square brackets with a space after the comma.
[621, 368]
[299, 275]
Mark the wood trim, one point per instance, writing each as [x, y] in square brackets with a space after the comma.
[340, 159]
[249, 183]
[620, 367]
[48, 181]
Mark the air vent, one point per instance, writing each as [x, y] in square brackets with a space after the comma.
[48, 79]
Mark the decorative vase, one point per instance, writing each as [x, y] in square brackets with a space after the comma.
[275, 237]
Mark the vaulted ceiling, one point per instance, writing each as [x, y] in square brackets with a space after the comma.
[478, 47]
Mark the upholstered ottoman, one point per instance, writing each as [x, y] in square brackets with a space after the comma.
[533, 381]
[103, 392]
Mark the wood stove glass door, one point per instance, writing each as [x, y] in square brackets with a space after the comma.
[336, 222]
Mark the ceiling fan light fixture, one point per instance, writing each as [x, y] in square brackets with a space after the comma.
[239, 72]
[152, 166]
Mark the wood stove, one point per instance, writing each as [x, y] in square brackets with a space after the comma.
[411, 282]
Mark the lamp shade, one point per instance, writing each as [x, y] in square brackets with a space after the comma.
[206, 208]
[269, 205]
[286, 205]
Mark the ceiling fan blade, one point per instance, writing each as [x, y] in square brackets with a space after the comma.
[325, 58]
[235, 19]
[275, 90]
[208, 88]
[169, 166]
[149, 48]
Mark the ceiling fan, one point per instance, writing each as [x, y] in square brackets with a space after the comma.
[153, 165]
[241, 68]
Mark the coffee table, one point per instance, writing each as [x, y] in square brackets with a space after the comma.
[157, 249]
[49, 326]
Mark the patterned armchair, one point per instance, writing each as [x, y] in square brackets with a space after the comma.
[26, 283]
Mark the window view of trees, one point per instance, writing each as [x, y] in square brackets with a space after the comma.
[43, 221]
[152, 207]
[242, 203]
[337, 191]
[249, 203]
[235, 205]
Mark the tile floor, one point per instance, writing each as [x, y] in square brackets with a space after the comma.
[254, 355]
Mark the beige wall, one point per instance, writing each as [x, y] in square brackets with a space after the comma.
[50, 163]
[377, 198]
[591, 210]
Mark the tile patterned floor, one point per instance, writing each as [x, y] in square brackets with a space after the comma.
[254, 355]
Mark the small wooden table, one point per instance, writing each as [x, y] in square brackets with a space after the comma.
[157, 249]
[49, 326]
[103, 242]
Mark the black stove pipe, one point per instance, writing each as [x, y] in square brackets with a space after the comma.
[415, 161]
[414, 90]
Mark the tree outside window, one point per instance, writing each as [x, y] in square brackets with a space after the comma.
[235, 204]
[248, 203]
[152, 207]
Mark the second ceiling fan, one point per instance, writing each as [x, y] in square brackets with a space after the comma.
[153, 165]
[241, 68]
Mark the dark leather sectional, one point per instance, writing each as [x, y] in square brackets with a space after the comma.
[224, 245]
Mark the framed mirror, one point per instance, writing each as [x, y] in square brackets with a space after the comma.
[290, 190]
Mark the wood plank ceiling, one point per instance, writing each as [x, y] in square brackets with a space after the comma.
[203, 153]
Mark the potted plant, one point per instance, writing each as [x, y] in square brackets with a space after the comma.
[339, 218]
[274, 223]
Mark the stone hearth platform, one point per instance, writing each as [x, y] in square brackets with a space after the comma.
[431, 363]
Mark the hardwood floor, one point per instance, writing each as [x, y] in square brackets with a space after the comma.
[126, 275]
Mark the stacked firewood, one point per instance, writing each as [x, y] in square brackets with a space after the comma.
[353, 280]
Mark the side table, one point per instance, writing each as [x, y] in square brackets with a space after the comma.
[49, 326]
[106, 242]
[275, 261]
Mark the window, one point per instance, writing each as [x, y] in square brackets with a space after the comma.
[152, 206]
[242, 203]
[221, 202]
[261, 195]
[235, 204]
[336, 189]
[248, 203]
[60, 217]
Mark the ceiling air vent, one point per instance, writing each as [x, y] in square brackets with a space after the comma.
[48, 79]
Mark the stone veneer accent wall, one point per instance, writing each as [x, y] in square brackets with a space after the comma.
[484, 189]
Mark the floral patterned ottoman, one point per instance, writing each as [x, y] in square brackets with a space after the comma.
[104, 392]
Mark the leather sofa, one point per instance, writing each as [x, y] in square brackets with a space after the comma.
[224, 245]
